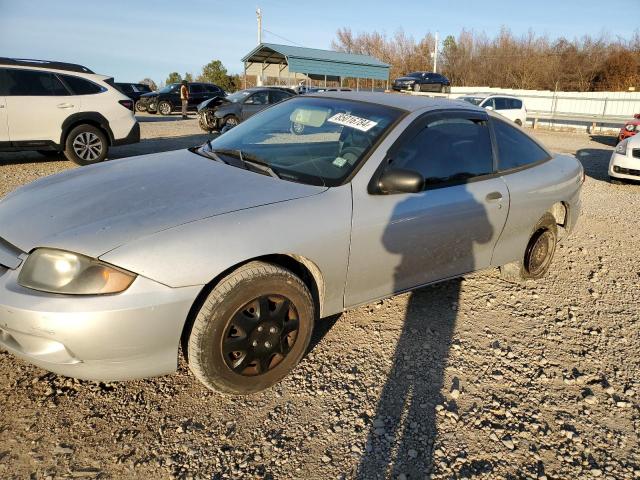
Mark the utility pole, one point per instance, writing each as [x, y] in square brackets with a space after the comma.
[259, 15]
[435, 54]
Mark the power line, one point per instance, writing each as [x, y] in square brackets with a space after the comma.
[281, 37]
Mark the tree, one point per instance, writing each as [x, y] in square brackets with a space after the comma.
[150, 83]
[215, 72]
[188, 77]
[174, 77]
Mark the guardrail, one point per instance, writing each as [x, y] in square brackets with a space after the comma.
[592, 121]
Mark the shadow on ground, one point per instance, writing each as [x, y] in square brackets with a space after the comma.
[610, 140]
[149, 118]
[595, 162]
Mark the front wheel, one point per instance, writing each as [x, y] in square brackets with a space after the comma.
[164, 108]
[140, 107]
[416, 87]
[443, 88]
[86, 145]
[231, 121]
[252, 330]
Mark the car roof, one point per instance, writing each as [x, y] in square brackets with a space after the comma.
[410, 103]
[487, 95]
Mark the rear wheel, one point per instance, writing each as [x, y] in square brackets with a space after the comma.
[518, 122]
[252, 330]
[86, 145]
[164, 108]
[538, 254]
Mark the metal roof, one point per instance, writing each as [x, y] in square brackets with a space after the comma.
[319, 62]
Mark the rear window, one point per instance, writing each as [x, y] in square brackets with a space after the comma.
[516, 149]
[33, 83]
[81, 86]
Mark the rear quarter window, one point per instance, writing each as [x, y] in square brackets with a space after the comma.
[515, 148]
[81, 86]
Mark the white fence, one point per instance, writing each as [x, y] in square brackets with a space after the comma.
[604, 104]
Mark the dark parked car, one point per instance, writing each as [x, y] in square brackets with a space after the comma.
[167, 99]
[220, 112]
[134, 91]
[423, 82]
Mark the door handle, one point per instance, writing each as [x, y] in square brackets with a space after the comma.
[494, 197]
[64, 105]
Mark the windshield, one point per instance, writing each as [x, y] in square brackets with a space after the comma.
[238, 97]
[169, 88]
[474, 100]
[318, 141]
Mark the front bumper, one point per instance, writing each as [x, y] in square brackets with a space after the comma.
[134, 334]
[624, 166]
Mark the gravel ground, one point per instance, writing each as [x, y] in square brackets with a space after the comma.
[474, 377]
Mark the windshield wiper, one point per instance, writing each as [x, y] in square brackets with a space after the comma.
[248, 159]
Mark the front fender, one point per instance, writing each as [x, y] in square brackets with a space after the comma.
[317, 228]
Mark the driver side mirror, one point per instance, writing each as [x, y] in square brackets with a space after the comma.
[400, 180]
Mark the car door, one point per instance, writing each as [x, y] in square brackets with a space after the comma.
[403, 240]
[4, 125]
[254, 103]
[37, 105]
[504, 108]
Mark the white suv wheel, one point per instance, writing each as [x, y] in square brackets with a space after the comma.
[88, 146]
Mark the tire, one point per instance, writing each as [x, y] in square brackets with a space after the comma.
[268, 347]
[86, 145]
[49, 153]
[164, 108]
[518, 122]
[231, 121]
[538, 254]
[443, 88]
[417, 87]
[140, 107]
[152, 108]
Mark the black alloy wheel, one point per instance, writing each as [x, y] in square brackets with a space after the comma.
[260, 335]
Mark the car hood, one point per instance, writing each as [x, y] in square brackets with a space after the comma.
[92, 210]
[213, 103]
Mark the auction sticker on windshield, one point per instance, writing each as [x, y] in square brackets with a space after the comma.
[352, 121]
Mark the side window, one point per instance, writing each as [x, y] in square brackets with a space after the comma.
[488, 103]
[196, 89]
[33, 83]
[515, 149]
[259, 98]
[80, 86]
[277, 96]
[516, 104]
[446, 151]
[3, 82]
[211, 89]
[502, 103]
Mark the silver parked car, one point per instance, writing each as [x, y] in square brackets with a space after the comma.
[234, 249]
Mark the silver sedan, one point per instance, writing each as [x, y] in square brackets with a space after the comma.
[235, 248]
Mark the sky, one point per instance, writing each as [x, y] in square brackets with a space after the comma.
[131, 40]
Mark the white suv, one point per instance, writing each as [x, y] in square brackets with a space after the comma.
[511, 107]
[57, 107]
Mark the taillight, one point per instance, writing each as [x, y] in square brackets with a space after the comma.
[126, 104]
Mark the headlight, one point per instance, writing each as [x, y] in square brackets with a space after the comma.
[621, 148]
[57, 271]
